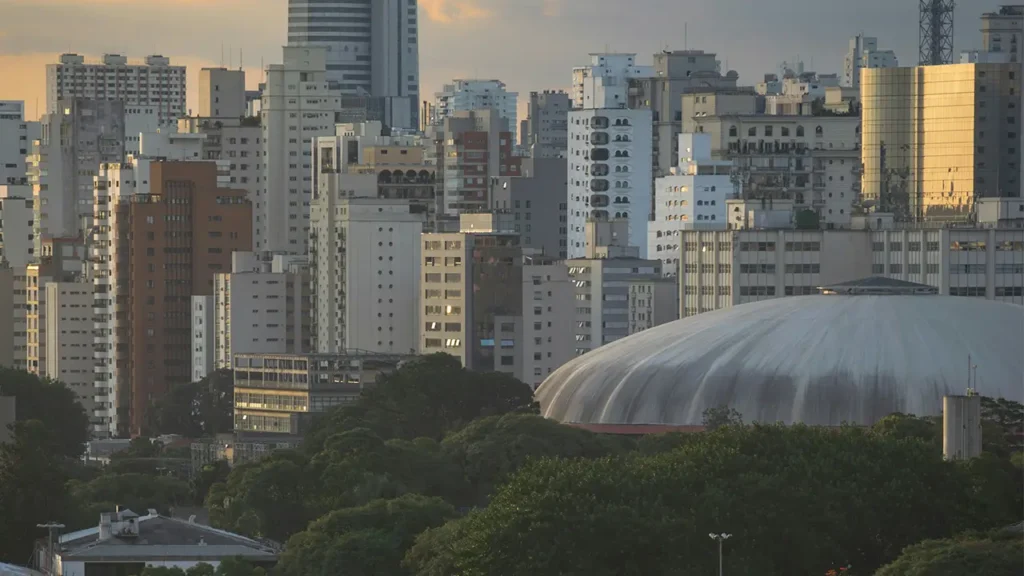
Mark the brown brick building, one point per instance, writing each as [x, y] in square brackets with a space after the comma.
[178, 236]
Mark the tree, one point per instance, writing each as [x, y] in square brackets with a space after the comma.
[902, 426]
[368, 540]
[51, 403]
[32, 478]
[1006, 421]
[489, 450]
[427, 397]
[137, 492]
[196, 409]
[774, 488]
[213, 473]
[265, 499]
[1001, 554]
[721, 416]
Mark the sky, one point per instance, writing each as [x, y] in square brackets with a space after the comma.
[528, 44]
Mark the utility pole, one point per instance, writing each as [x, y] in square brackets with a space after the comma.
[720, 538]
[52, 528]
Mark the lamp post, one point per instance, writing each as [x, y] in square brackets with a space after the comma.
[720, 538]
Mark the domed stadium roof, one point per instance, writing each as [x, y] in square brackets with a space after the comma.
[819, 360]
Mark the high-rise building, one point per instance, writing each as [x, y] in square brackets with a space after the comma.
[61, 261]
[545, 132]
[811, 159]
[545, 331]
[297, 107]
[1003, 32]
[536, 201]
[470, 280]
[16, 253]
[262, 306]
[221, 93]
[673, 74]
[864, 53]
[79, 136]
[68, 333]
[469, 95]
[371, 48]
[693, 196]
[16, 136]
[610, 148]
[472, 149]
[365, 267]
[153, 251]
[971, 115]
[155, 83]
[617, 292]
[17, 246]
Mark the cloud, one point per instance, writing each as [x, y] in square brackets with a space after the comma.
[453, 11]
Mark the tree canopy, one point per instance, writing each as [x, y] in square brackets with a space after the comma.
[998, 554]
[195, 409]
[51, 403]
[846, 496]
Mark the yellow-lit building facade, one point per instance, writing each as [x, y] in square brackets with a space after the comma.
[935, 138]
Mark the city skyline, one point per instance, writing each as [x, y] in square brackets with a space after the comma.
[216, 36]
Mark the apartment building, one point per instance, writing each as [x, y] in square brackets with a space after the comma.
[262, 306]
[674, 73]
[864, 54]
[693, 196]
[77, 137]
[813, 160]
[203, 334]
[297, 107]
[16, 136]
[153, 83]
[536, 201]
[153, 251]
[221, 93]
[472, 148]
[973, 116]
[69, 338]
[469, 281]
[17, 244]
[277, 396]
[62, 260]
[469, 95]
[9, 316]
[365, 270]
[543, 339]
[617, 293]
[545, 131]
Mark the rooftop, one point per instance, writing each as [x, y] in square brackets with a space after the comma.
[880, 286]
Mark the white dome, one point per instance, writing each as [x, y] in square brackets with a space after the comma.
[813, 359]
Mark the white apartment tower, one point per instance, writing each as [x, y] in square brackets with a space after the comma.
[16, 136]
[864, 53]
[297, 107]
[69, 338]
[365, 267]
[693, 196]
[371, 47]
[469, 95]
[609, 155]
[154, 83]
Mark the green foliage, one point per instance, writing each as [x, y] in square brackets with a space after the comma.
[426, 398]
[137, 492]
[51, 403]
[369, 540]
[227, 567]
[490, 449]
[1002, 425]
[775, 488]
[266, 499]
[210, 474]
[720, 416]
[1000, 554]
[907, 426]
[195, 410]
[32, 478]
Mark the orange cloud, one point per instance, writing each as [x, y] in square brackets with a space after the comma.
[453, 11]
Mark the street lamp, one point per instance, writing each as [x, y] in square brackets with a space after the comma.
[720, 538]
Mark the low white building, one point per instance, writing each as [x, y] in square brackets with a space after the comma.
[693, 196]
[125, 542]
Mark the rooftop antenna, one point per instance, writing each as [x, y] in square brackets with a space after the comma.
[935, 35]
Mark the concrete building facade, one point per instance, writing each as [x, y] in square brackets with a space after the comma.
[69, 338]
[16, 136]
[545, 131]
[469, 95]
[472, 149]
[365, 269]
[297, 108]
[154, 83]
[536, 201]
[864, 53]
[221, 93]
